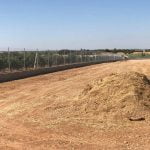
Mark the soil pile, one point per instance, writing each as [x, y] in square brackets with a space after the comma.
[120, 96]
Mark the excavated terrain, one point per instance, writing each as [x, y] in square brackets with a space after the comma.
[118, 98]
[105, 106]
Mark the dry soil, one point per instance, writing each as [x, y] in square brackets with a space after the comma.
[103, 106]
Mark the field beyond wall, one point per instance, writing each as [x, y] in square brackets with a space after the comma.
[35, 112]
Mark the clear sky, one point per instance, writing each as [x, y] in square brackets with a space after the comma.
[75, 24]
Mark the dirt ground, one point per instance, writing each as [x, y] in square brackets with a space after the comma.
[34, 114]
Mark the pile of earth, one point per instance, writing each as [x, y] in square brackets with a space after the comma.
[115, 98]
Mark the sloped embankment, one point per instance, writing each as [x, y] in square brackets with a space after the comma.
[118, 97]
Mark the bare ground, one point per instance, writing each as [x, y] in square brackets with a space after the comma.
[34, 114]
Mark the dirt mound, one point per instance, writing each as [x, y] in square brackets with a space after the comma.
[120, 96]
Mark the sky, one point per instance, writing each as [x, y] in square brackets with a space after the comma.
[74, 24]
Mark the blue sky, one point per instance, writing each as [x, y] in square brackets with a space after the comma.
[75, 24]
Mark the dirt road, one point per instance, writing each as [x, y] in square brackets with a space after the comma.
[31, 115]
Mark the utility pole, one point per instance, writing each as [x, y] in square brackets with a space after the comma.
[24, 59]
[76, 56]
[9, 59]
[95, 57]
[36, 60]
[64, 58]
[48, 59]
[56, 57]
[70, 57]
[81, 56]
